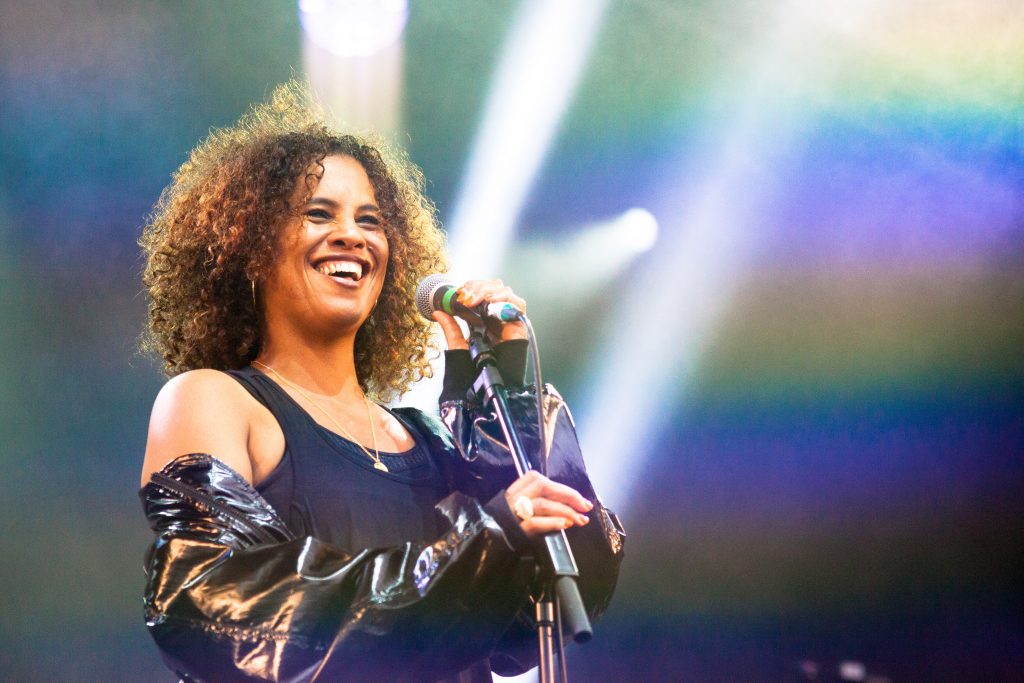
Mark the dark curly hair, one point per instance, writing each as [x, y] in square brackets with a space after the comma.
[215, 231]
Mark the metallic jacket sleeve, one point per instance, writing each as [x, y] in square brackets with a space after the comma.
[233, 596]
[487, 468]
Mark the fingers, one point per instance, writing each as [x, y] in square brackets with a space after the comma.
[553, 509]
[538, 526]
[554, 506]
[533, 485]
[452, 332]
[476, 292]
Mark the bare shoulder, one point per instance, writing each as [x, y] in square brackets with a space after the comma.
[201, 411]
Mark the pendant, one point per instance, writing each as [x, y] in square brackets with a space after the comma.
[378, 465]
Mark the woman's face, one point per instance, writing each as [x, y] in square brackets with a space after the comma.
[333, 255]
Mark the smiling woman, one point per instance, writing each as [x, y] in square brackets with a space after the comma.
[214, 235]
[305, 531]
[333, 257]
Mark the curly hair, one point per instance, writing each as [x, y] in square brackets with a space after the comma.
[215, 231]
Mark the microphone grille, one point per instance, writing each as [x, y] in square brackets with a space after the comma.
[425, 293]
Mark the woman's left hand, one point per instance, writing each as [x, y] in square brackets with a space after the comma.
[476, 292]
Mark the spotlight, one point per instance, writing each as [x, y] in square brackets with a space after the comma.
[353, 55]
[638, 230]
[353, 28]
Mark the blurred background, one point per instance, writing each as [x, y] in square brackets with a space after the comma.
[774, 253]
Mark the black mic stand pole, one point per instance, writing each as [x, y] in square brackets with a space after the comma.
[559, 557]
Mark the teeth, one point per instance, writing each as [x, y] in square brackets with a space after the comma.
[335, 267]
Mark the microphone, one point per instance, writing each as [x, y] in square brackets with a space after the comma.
[436, 293]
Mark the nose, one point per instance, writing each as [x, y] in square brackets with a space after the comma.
[346, 233]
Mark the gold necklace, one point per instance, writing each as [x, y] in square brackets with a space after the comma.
[374, 456]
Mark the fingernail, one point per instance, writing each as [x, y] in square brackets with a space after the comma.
[582, 519]
[588, 504]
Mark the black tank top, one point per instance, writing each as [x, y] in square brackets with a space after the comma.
[325, 485]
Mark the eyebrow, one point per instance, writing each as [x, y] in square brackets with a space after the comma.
[324, 201]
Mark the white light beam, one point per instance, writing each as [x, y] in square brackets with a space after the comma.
[533, 85]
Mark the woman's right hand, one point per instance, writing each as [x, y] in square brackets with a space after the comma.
[544, 506]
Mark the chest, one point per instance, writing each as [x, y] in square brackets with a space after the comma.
[326, 486]
[267, 442]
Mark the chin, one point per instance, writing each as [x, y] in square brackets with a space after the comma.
[347, 320]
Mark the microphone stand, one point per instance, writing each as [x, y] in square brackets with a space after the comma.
[558, 557]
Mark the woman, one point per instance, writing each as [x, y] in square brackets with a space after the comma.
[306, 532]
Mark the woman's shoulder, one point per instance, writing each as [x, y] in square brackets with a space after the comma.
[200, 384]
[203, 395]
[200, 411]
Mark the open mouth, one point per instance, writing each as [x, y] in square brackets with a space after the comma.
[342, 270]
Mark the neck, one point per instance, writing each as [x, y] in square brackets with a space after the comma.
[326, 367]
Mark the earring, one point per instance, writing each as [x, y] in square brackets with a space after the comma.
[253, 283]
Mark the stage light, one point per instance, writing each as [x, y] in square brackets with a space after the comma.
[544, 56]
[638, 230]
[353, 28]
[353, 58]
[554, 272]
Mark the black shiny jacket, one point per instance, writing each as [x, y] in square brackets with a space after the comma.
[232, 595]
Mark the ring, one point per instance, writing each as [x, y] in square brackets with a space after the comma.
[523, 507]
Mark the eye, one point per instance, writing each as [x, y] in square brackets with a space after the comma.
[370, 219]
[319, 214]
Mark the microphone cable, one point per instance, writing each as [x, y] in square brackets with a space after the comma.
[542, 437]
[538, 385]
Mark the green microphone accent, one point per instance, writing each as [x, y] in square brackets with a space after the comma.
[446, 301]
